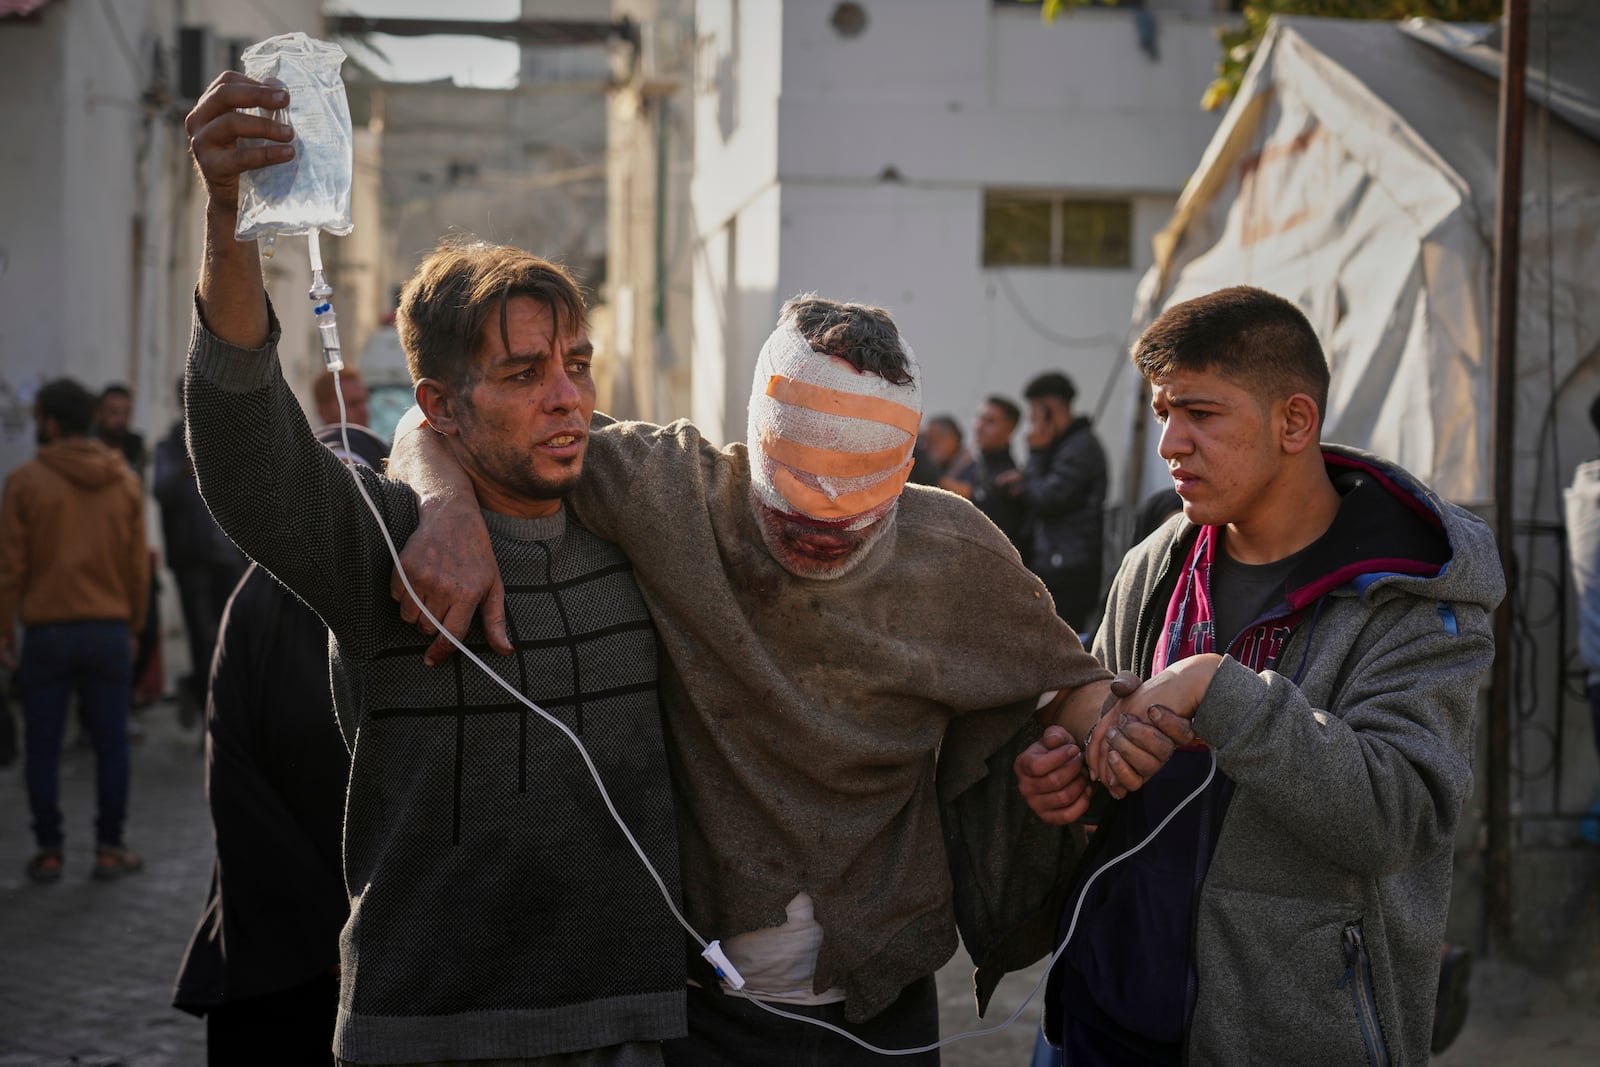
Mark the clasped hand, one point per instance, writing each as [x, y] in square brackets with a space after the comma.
[1140, 726]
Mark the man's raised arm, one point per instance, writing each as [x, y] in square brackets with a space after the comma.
[268, 483]
[231, 295]
[449, 560]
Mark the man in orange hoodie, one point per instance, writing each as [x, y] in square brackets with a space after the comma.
[73, 571]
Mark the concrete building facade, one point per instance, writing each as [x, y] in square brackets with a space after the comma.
[992, 179]
[523, 165]
[650, 225]
[100, 217]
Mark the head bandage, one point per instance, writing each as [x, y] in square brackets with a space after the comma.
[828, 442]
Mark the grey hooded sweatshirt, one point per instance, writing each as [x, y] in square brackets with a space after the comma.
[1317, 925]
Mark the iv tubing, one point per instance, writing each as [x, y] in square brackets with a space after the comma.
[1049, 964]
[321, 295]
[605, 796]
[583, 753]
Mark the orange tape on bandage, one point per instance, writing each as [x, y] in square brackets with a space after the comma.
[828, 463]
[838, 402]
[818, 505]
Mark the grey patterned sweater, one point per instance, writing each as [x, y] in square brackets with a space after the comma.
[495, 909]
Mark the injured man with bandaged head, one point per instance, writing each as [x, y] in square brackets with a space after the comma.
[854, 664]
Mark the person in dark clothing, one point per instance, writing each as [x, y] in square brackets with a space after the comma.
[1063, 489]
[112, 425]
[262, 966]
[997, 474]
[205, 563]
[113, 420]
[947, 464]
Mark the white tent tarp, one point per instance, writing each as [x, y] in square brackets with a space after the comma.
[1355, 174]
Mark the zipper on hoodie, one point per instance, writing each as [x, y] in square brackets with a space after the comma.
[1208, 801]
[1202, 864]
[1358, 978]
[1191, 983]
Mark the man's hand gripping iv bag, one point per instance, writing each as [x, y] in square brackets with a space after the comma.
[312, 190]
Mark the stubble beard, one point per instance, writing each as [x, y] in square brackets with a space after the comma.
[536, 487]
[518, 475]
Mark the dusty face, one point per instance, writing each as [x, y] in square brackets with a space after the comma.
[523, 416]
[811, 548]
[1222, 447]
[991, 429]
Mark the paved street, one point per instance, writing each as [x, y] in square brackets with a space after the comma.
[86, 968]
[1518, 1020]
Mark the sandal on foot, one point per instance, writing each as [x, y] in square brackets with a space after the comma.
[114, 861]
[45, 866]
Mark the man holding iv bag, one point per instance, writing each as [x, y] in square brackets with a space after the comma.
[497, 912]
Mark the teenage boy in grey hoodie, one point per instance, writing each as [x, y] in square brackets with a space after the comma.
[1327, 616]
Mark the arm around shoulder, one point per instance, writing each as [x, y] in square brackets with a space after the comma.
[449, 561]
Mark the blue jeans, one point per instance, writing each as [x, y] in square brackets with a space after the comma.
[1044, 1053]
[94, 660]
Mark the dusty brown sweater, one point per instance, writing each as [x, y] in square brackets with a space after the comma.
[805, 717]
[72, 540]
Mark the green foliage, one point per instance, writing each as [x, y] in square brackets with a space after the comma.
[1051, 8]
[1239, 44]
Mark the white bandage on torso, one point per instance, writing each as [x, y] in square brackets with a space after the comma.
[779, 962]
[828, 442]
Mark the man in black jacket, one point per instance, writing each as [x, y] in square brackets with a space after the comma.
[1064, 490]
[263, 964]
[997, 471]
[206, 565]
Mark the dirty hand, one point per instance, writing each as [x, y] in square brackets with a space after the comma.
[452, 567]
[218, 125]
[1136, 736]
[1051, 777]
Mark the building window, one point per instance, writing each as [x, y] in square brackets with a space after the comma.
[1032, 229]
